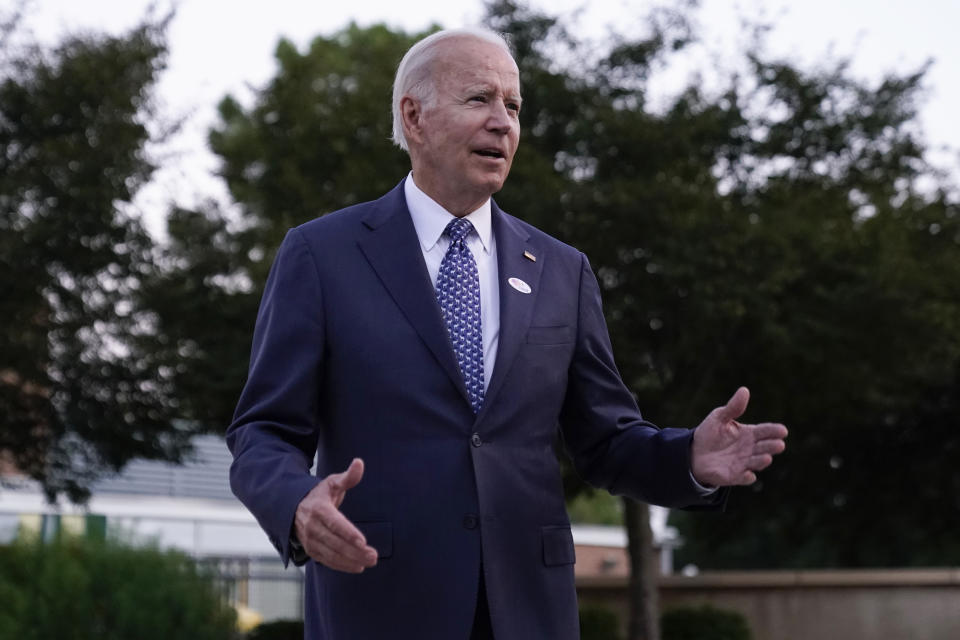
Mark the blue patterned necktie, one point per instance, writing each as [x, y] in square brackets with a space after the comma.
[458, 292]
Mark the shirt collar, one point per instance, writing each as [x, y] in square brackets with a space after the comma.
[430, 218]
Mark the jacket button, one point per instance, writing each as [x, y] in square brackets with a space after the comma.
[470, 521]
[475, 440]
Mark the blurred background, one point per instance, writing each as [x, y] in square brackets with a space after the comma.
[768, 192]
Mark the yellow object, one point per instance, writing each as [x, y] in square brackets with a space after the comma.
[30, 524]
[247, 618]
[74, 524]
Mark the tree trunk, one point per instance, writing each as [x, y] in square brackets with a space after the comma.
[642, 595]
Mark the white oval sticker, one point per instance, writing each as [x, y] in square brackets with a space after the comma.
[519, 285]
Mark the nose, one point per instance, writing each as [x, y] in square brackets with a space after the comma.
[500, 119]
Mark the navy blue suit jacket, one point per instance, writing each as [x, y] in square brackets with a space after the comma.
[351, 358]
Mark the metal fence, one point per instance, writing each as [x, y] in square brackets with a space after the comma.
[260, 584]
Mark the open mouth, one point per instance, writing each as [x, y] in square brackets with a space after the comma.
[490, 153]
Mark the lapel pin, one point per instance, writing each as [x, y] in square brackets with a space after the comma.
[519, 285]
[529, 256]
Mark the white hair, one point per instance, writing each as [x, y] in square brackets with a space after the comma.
[414, 77]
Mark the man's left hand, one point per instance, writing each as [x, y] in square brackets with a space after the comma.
[726, 452]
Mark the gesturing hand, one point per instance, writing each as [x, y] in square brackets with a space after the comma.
[726, 452]
[325, 533]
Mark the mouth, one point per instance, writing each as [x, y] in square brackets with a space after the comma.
[492, 153]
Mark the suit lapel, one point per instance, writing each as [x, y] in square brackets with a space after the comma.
[391, 246]
[516, 307]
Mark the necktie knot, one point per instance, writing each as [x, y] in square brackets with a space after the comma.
[458, 229]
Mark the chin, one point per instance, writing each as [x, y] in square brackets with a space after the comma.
[495, 186]
[494, 183]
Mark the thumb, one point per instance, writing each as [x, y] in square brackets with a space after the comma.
[736, 405]
[349, 478]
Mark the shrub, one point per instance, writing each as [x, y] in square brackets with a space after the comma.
[703, 623]
[277, 630]
[87, 589]
[598, 623]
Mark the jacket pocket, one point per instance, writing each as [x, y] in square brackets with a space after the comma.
[550, 335]
[379, 535]
[558, 545]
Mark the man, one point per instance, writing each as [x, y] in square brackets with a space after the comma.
[431, 345]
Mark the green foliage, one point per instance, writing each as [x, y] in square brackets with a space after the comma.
[277, 630]
[595, 507]
[317, 140]
[80, 390]
[205, 300]
[703, 623]
[86, 589]
[844, 325]
[599, 623]
[283, 158]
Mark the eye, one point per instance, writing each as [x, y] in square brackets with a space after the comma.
[478, 98]
[513, 106]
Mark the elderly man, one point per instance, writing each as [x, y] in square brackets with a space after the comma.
[427, 347]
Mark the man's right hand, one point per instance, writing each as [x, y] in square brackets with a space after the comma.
[325, 533]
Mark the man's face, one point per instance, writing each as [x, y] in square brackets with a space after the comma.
[469, 133]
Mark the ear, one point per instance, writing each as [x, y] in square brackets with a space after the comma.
[411, 116]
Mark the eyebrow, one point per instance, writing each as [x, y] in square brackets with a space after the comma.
[487, 90]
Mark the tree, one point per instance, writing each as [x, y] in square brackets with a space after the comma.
[855, 302]
[80, 391]
[317, 140]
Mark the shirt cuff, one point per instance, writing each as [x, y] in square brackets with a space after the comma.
[297, 553]
[702, 490]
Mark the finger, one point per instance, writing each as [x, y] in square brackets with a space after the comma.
[345, 552]
[736, 405]
[349, 478]
[348, 549]
[748, 477]
[759, 462]
[337, 524]
[771, 447]
[769, 431]
[329, 557]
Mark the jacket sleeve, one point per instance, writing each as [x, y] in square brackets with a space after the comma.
[611, 445]
[274, 433]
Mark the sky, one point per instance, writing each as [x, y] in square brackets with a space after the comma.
[226, 46]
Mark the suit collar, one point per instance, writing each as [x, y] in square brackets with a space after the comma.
[392, 249]
[516, 307]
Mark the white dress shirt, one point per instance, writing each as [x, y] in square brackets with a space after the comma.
[430, 219]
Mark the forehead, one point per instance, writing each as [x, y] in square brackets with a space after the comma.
[466, 62]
